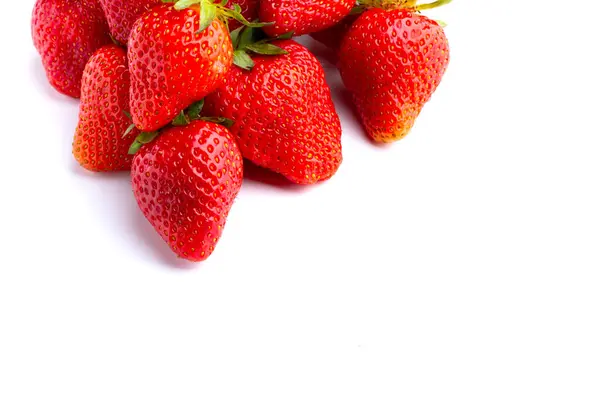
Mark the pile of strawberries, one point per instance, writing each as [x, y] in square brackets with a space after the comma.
[180, 92]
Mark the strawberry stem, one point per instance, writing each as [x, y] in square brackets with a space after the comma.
[209, 10]
[402, 4]
[429, 6]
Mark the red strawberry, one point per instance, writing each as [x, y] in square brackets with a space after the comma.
[302, 16]
[99, 144]
[284, 116]
[392, 61]
[66, 33]
[121, 15]
[185, 183]
[177, 55]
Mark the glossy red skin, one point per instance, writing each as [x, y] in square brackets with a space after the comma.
[391, 82]
[99, 144]
[249, 11]
[284, 117]
[172, 66]
[302, 16]
[121, 15]
[66, 33]
[332, 37]
[185, 183]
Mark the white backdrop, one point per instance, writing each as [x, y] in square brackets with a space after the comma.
[460, 263]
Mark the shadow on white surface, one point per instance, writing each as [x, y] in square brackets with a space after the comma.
[120, 214]
[258, 176]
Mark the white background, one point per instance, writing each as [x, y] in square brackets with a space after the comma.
[460, 263]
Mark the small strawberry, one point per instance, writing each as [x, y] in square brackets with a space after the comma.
[66, 33]
[185, 183]
[99, 143]
[392, 72]
[284, 117]
[302, 16]
[121, 15]
[177, 55]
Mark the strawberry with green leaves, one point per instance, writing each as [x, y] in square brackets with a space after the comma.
[185, 182]
[302, 16]
[99, 143]
[391, 73]
[284, 117]
[66, 33]
[122, 14]
[178, 53]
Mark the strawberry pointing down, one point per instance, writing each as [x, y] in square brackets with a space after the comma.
[284, 117]
[66, 33]
[391, 61]
[185, 183]
[100, 143]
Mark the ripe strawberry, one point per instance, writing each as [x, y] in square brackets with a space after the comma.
[392, 72]
[121, 15]
[185, 183]
[284, 116]
[99, 143]
[66, 33]
[177, 55]
[302, 16]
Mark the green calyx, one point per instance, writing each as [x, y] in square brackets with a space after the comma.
[193, 114]
[247, 40]
[184, 118]
[209, 10]
[189, 115]
[142, 139]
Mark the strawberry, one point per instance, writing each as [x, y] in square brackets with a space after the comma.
[177, 55]
[185, 183]
[121, 15]
[66, 33]
[99, 143]
[302, 16]
[284, 116]
[392, 72]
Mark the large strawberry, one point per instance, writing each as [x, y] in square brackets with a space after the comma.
[177, 55]
[99, 143]
[185, 183]
[121, 15]
[302, 16]
[66, 33]
[284, 117]
[392, 72]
